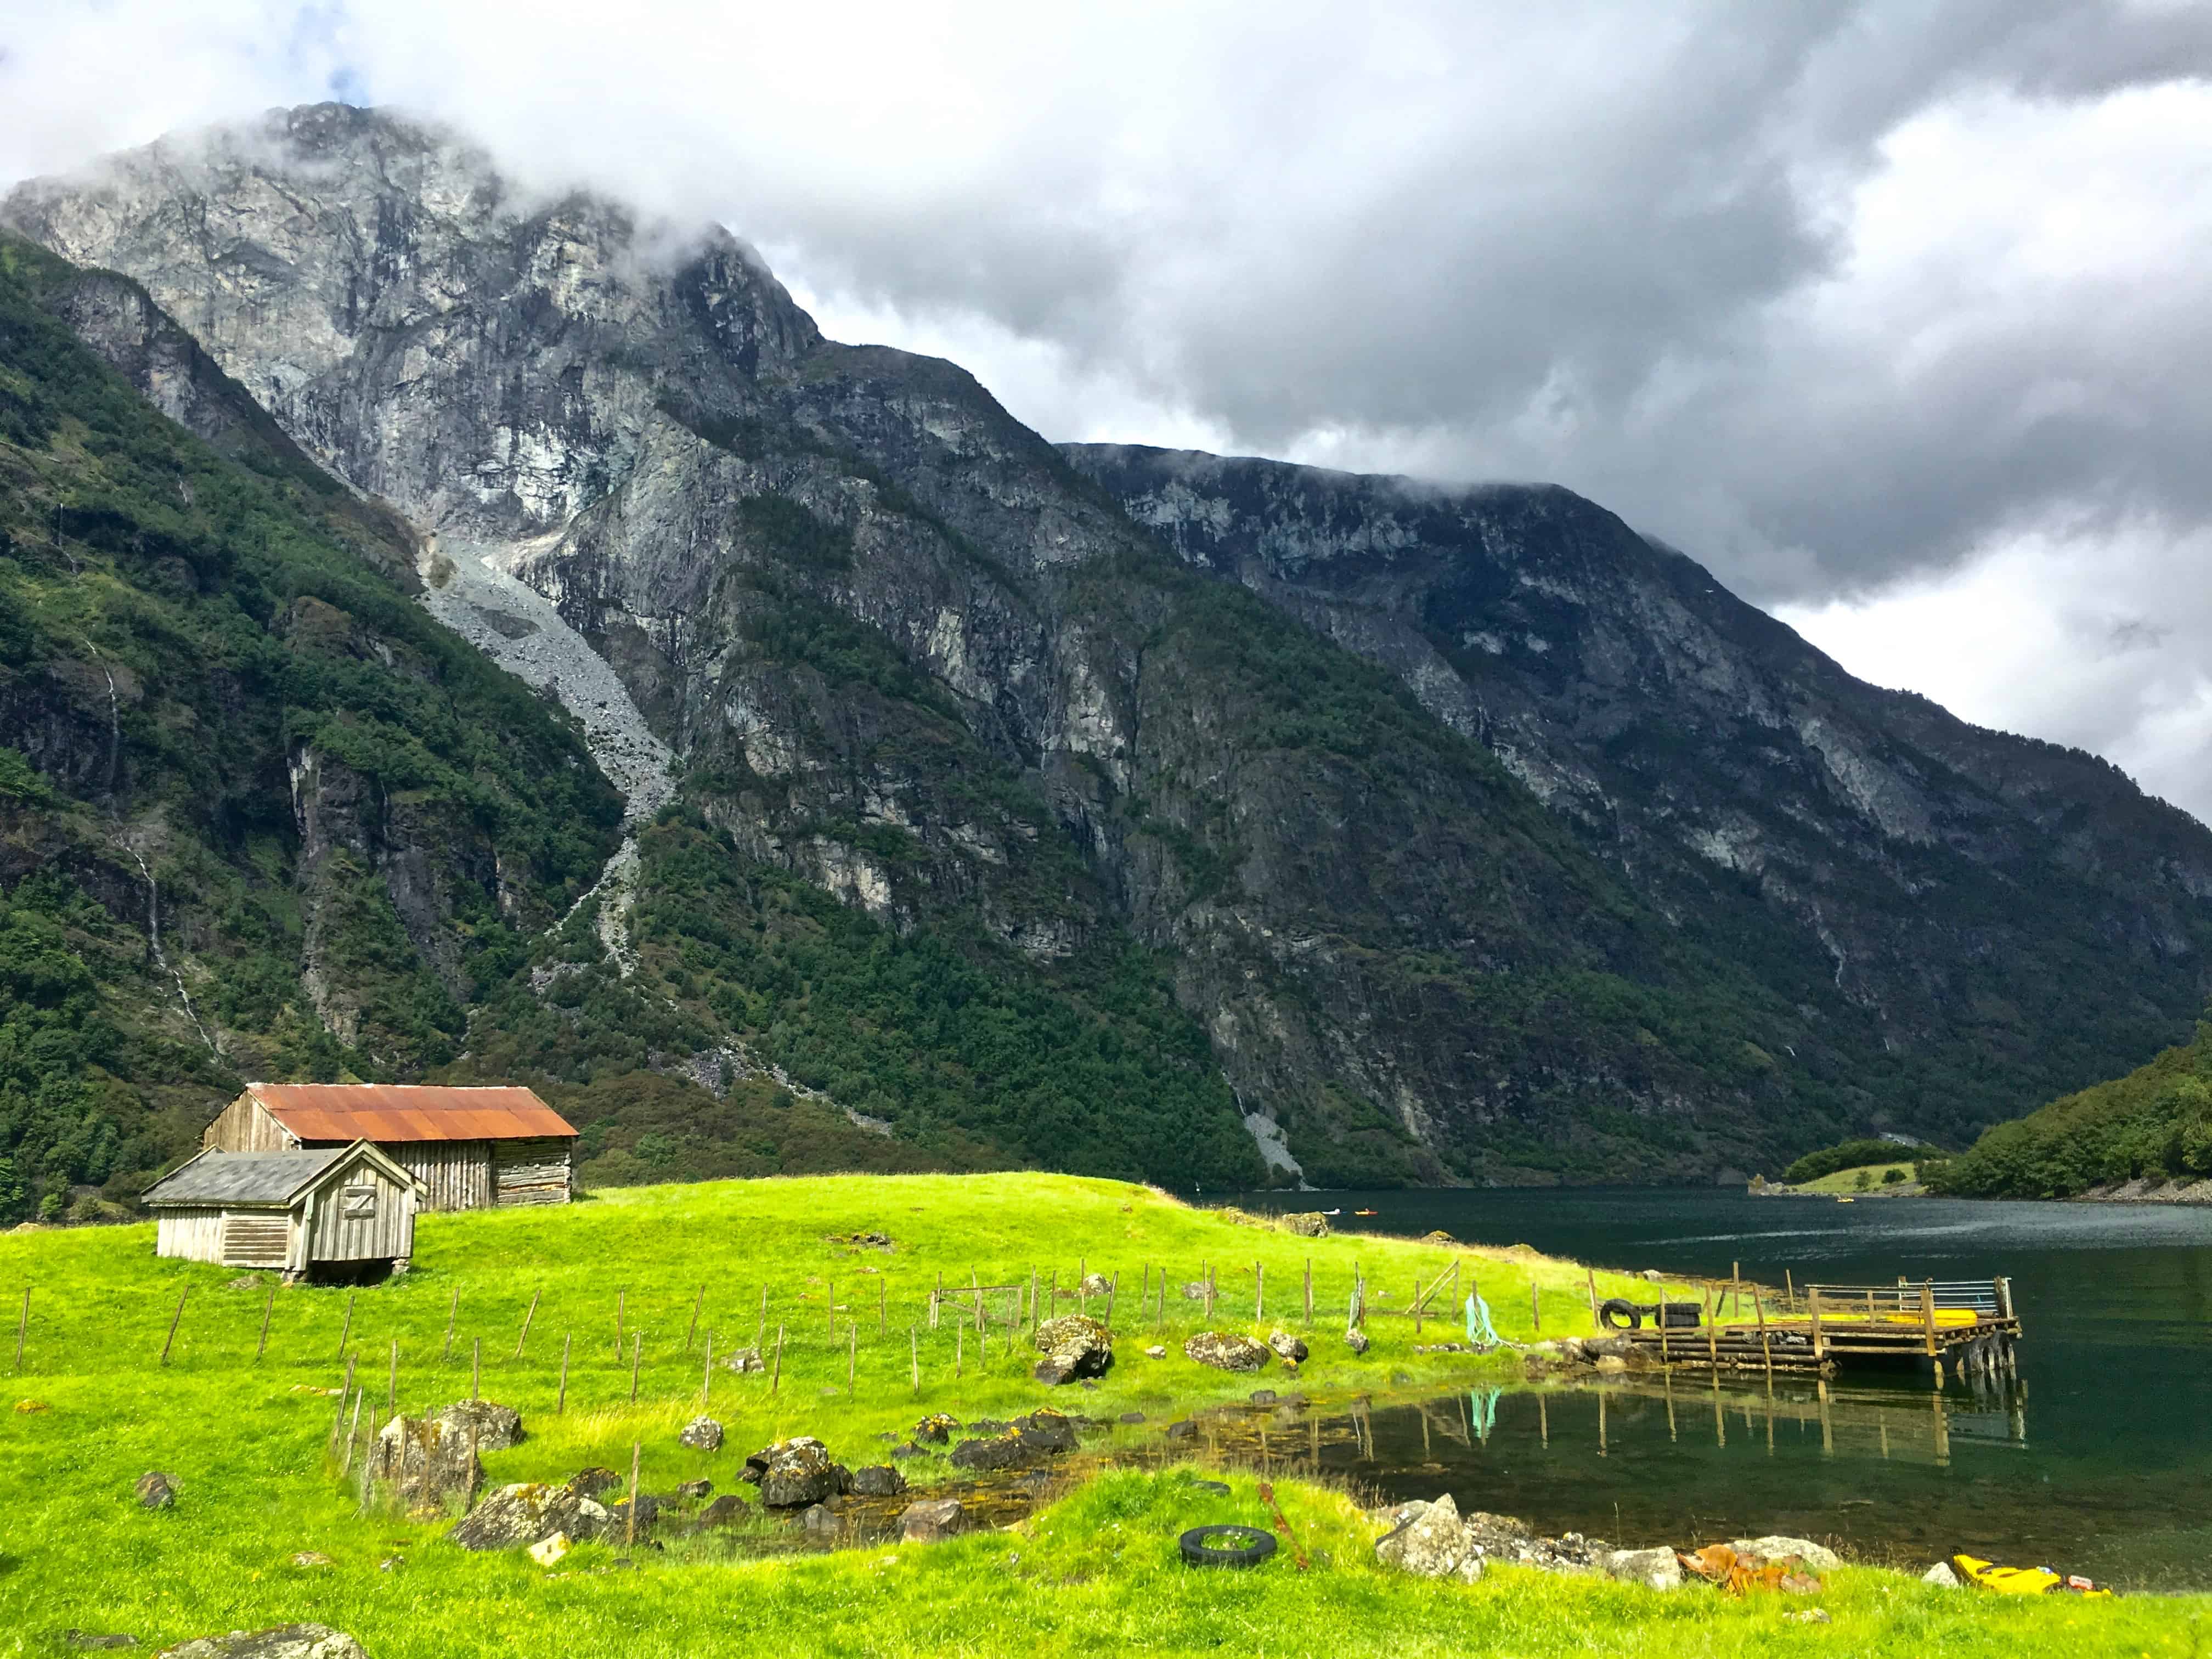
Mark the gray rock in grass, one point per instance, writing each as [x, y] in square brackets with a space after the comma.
[1655, 1569]
[931, 1521]
[702, 1434]
[1225, 1351]
[284, 1641]
[155, 1491]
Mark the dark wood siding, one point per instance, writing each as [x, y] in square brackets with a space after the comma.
[532, 1171]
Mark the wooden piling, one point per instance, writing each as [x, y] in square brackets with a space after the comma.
[1820, 1342]
[1712, 1337]
[1928, 1326]
[561, 1399]
[173, 1319]
[1591, 1274]
[1766, 1347]
[1536, 1307]
[1789, 1291]
[528, 1314]
[452, 1314]
[268, 1308]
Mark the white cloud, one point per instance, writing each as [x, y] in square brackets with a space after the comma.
[1875, 309]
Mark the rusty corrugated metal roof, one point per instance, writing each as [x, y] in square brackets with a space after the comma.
[406, 1111]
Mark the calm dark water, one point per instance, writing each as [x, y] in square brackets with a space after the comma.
[2101, 1463]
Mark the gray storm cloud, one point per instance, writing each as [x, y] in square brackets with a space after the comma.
[1862, 304]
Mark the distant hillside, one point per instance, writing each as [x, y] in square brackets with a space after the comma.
[2155, 1123]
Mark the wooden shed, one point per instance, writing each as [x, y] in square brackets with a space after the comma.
[336, 1206]
[471, 1148]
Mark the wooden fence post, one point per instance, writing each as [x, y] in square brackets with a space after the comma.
[1536, 1308]
[1591, 1276]
[352, 1433]
[760, 1331]
[775, 1376]
[636, 1350]
[622, 1298]
[268, 1307]
[561, 1400]
[629, 1526]
[528, 1314]
[173, 1319]
[346, 1330]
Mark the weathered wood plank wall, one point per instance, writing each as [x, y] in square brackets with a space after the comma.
[245, 1126]
[532, 1171]
[456, 1175]
[383, 1228]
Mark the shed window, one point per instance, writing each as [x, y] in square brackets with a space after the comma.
[358, 1204]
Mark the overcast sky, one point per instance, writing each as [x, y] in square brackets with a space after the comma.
[1895, 315]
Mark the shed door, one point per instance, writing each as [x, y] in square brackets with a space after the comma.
[362, 1216]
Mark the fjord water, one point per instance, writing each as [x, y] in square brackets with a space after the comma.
[2100, 1464]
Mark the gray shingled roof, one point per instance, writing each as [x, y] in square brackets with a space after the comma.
[243, 1177]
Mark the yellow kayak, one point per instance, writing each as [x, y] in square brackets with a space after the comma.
[2021, 1581]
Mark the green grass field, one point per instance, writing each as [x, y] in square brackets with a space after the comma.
[1845, 1182]
[245, 1440]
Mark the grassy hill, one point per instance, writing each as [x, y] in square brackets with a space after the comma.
[247, 1440]
[2154, 1123]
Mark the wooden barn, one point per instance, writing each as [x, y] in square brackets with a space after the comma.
[337, 1207]
[471, 1149]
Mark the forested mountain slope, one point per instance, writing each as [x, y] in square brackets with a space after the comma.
[955, 794]
[1995, 919]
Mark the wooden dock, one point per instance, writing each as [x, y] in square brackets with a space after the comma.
[1968, 1324]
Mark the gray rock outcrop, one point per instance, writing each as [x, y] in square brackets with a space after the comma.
[1225, 1351]
[1432, 1543]
[1655, 1569]
[701, 1434]
[496, 1427]
[155, 1491]
[423, 1461]
[525, 1513]
[931, 1521]
[284, 1641]
[1074, 1346]
[795, 1472]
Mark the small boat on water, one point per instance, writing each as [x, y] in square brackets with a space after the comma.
[1366, 1213]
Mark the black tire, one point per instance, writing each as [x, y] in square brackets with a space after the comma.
[1620, 1314]
[1199, 1552]
[1681, 1316]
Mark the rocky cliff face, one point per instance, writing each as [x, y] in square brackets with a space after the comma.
[1561, 868]
[1996, 907]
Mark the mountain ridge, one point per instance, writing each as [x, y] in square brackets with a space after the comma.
[912, 661]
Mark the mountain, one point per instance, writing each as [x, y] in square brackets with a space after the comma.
[1993, 919]
[985, 803]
